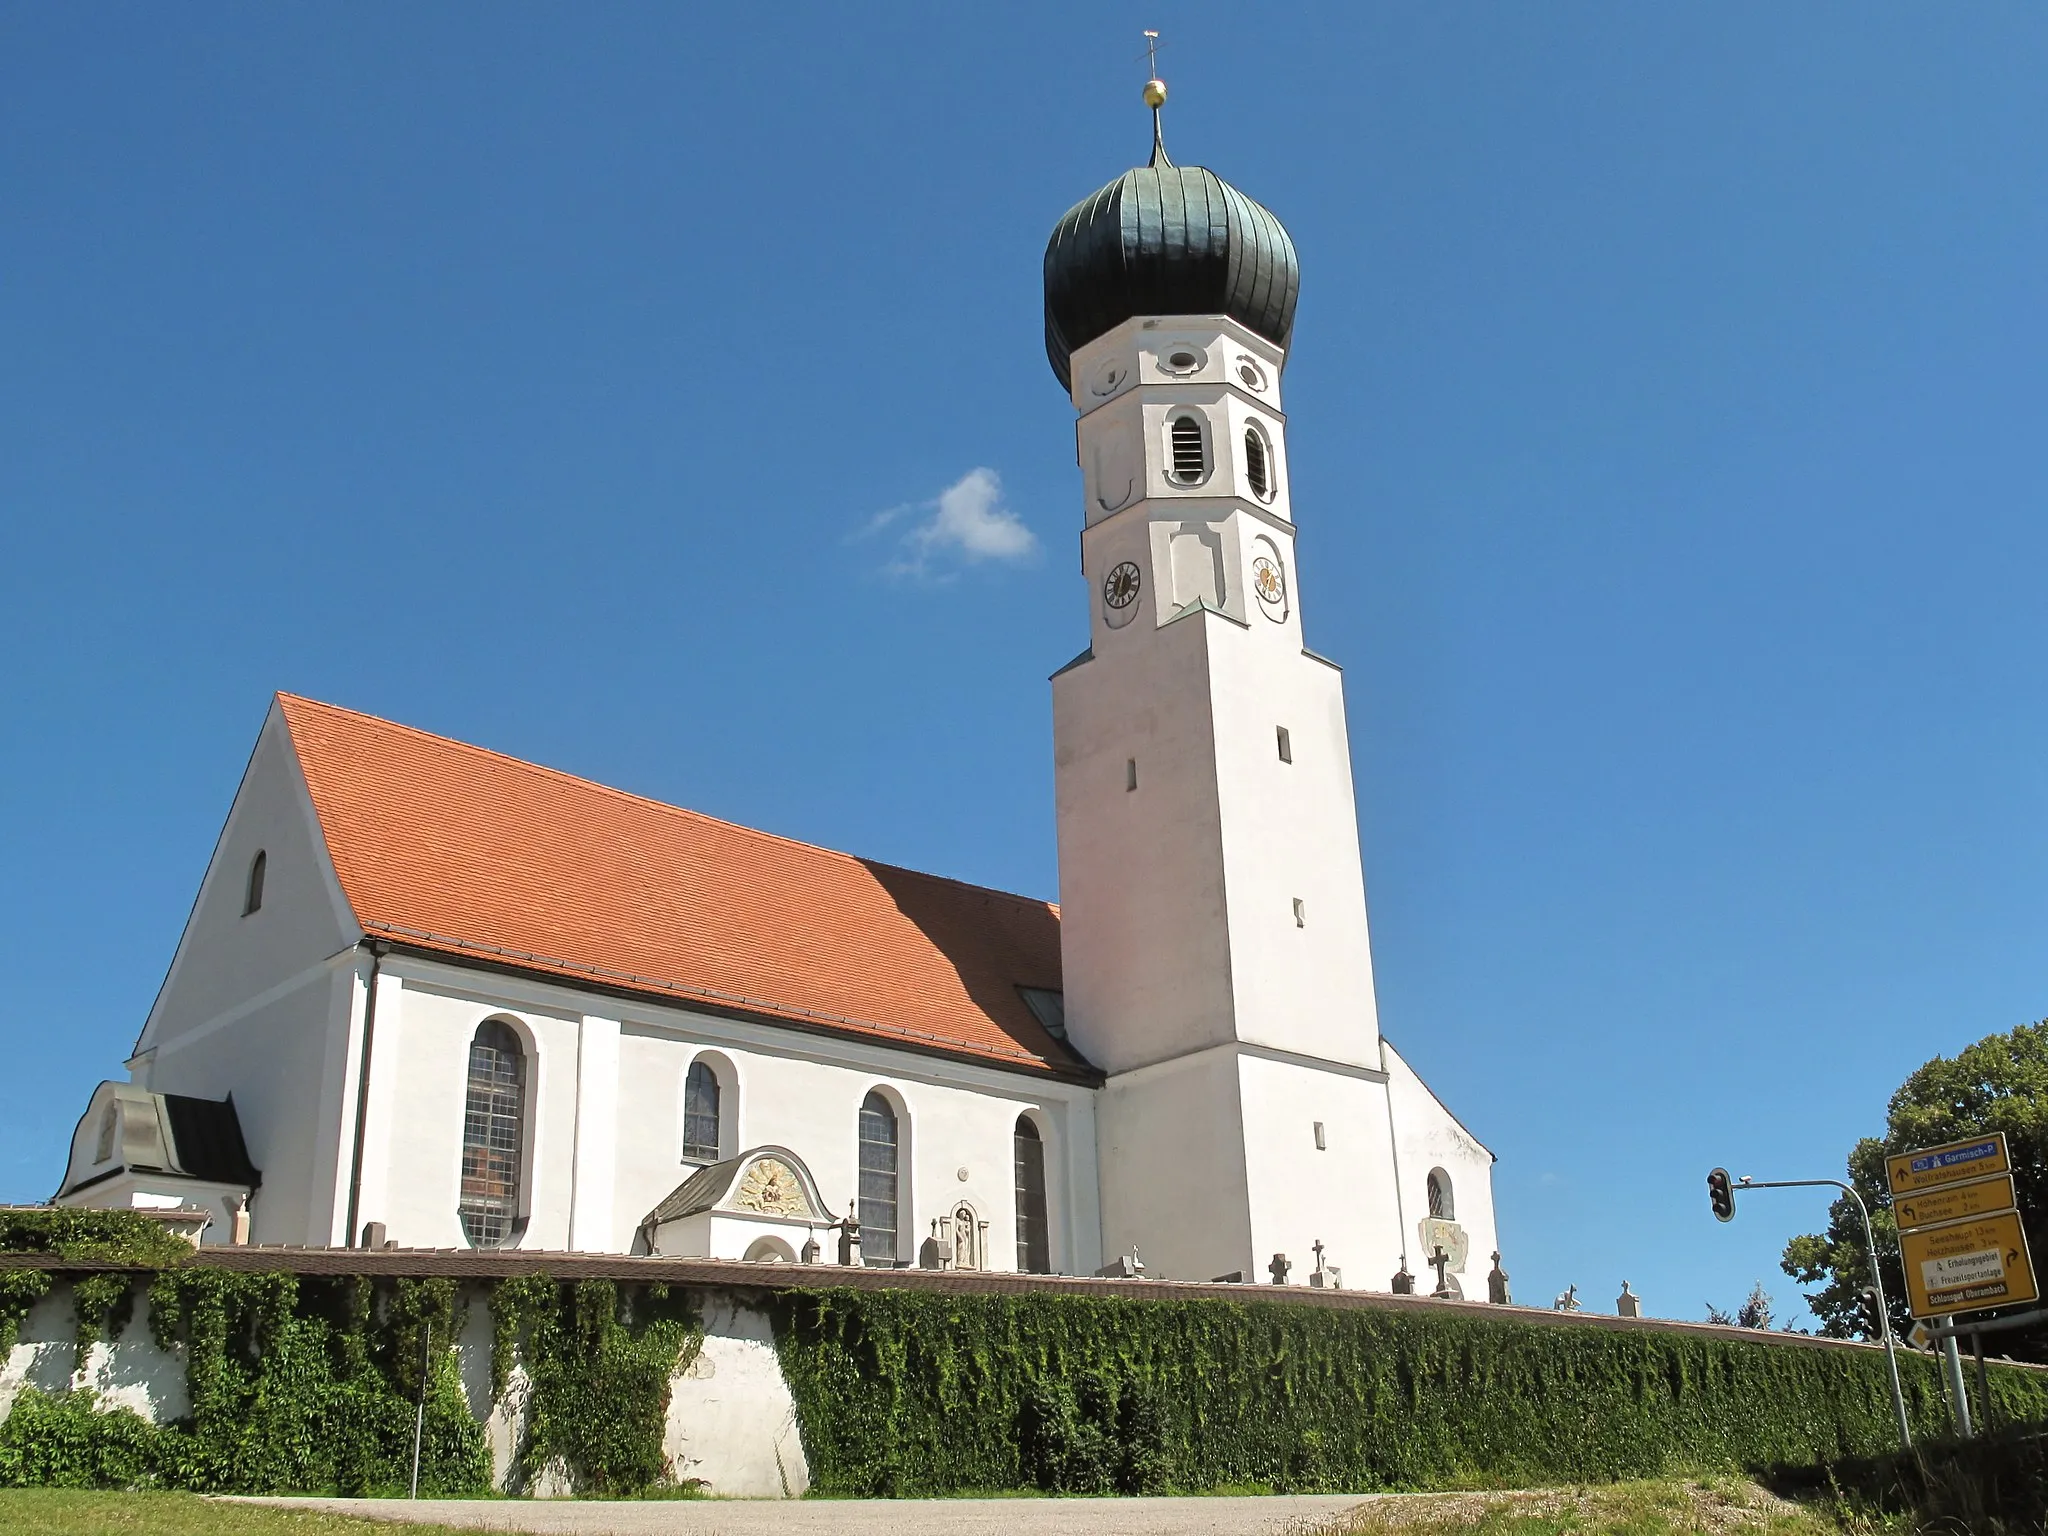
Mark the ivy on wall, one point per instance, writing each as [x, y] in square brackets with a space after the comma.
[296, 1385]
[305, 1384]
[601, 1363]
[119, 1237]
[903, 1393]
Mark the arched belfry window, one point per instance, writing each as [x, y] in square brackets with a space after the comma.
[1034, 1246]
[1440, 1201]
[1190, 456]
[880, 1184]
[700, 1113]
[252, 893]
[493, 1135]
[1257, 467]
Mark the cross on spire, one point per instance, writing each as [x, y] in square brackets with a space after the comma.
[1155, 97]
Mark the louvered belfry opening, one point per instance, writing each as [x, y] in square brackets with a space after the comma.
[1190, 464]
[493, 1135]
[1255, 463]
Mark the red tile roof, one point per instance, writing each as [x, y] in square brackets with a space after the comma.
[453, 849]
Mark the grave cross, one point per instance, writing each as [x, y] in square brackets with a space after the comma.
[1441, 1263]
[1278, 1268]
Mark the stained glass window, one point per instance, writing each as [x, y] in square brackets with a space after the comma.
[700, 1113]
[1034, 1249]
[878, 1180]
[493, 1135]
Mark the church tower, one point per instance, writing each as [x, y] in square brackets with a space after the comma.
[1214, 942]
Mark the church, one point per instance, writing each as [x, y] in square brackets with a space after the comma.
[429, 996]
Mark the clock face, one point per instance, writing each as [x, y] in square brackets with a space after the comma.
[1268, 581]
[1120, 586]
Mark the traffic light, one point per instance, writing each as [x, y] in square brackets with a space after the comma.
[1868, 1314]
[1722, 1194]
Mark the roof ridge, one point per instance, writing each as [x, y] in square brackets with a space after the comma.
[543, 769]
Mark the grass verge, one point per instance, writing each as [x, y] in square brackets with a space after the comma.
[65, 1512]
[1655, 1507]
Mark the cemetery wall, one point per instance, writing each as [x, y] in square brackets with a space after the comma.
[268, 1369]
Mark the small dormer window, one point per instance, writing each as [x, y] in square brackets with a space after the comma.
[1257, 472]
[252, 896]
[1190, 456]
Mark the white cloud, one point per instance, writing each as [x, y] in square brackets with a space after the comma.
[966, 523]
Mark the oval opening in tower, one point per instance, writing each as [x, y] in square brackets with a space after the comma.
[1183, 362]
[1190, 463]
[1255, 470]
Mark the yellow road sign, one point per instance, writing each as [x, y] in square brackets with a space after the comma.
[1956, 1163]
[1985, 1197]
[1968, 1265]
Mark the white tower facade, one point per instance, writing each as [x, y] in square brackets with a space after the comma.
[1214, 940]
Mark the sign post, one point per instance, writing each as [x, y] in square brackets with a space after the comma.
[1960, 1239]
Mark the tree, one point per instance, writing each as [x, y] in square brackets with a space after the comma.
[1753, 1313]
[1998, 1084]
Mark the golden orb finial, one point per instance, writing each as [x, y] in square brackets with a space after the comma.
[1155, 93]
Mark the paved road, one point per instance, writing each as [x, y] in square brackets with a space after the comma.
[1278, 1516]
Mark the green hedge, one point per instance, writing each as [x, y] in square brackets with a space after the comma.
[914, 1393]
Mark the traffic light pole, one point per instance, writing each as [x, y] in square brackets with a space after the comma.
[1884, 1313]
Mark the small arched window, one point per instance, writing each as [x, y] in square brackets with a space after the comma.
[879, 1183]
[1034, 1249]
[252, 894]
[700, 1113]
[493, 1135]
[1190, 456]
[1440, 1202]
[1257, 471]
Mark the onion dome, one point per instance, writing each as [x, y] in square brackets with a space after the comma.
[1165, 239]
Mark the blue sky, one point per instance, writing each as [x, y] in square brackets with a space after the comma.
[658, 393]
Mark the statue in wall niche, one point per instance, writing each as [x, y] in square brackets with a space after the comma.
[1497, 1284]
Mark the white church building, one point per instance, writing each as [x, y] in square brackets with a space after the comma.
[436, 997]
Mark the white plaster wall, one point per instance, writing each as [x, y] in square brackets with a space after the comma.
[622, 1102]
[1342, 1194]
[1144, 926]
[128, 1372]
[273, 1059]
[1290, 832]
[1173, 1168]
[224, 959]
[731, 1420]
[420, 1080]
[1431, 1136]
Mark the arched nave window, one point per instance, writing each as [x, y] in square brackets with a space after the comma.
[252, 894]
[700, 1113]
[1440, 1201]
[1034, 1246]
[493, 1135]
[879, 1182]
